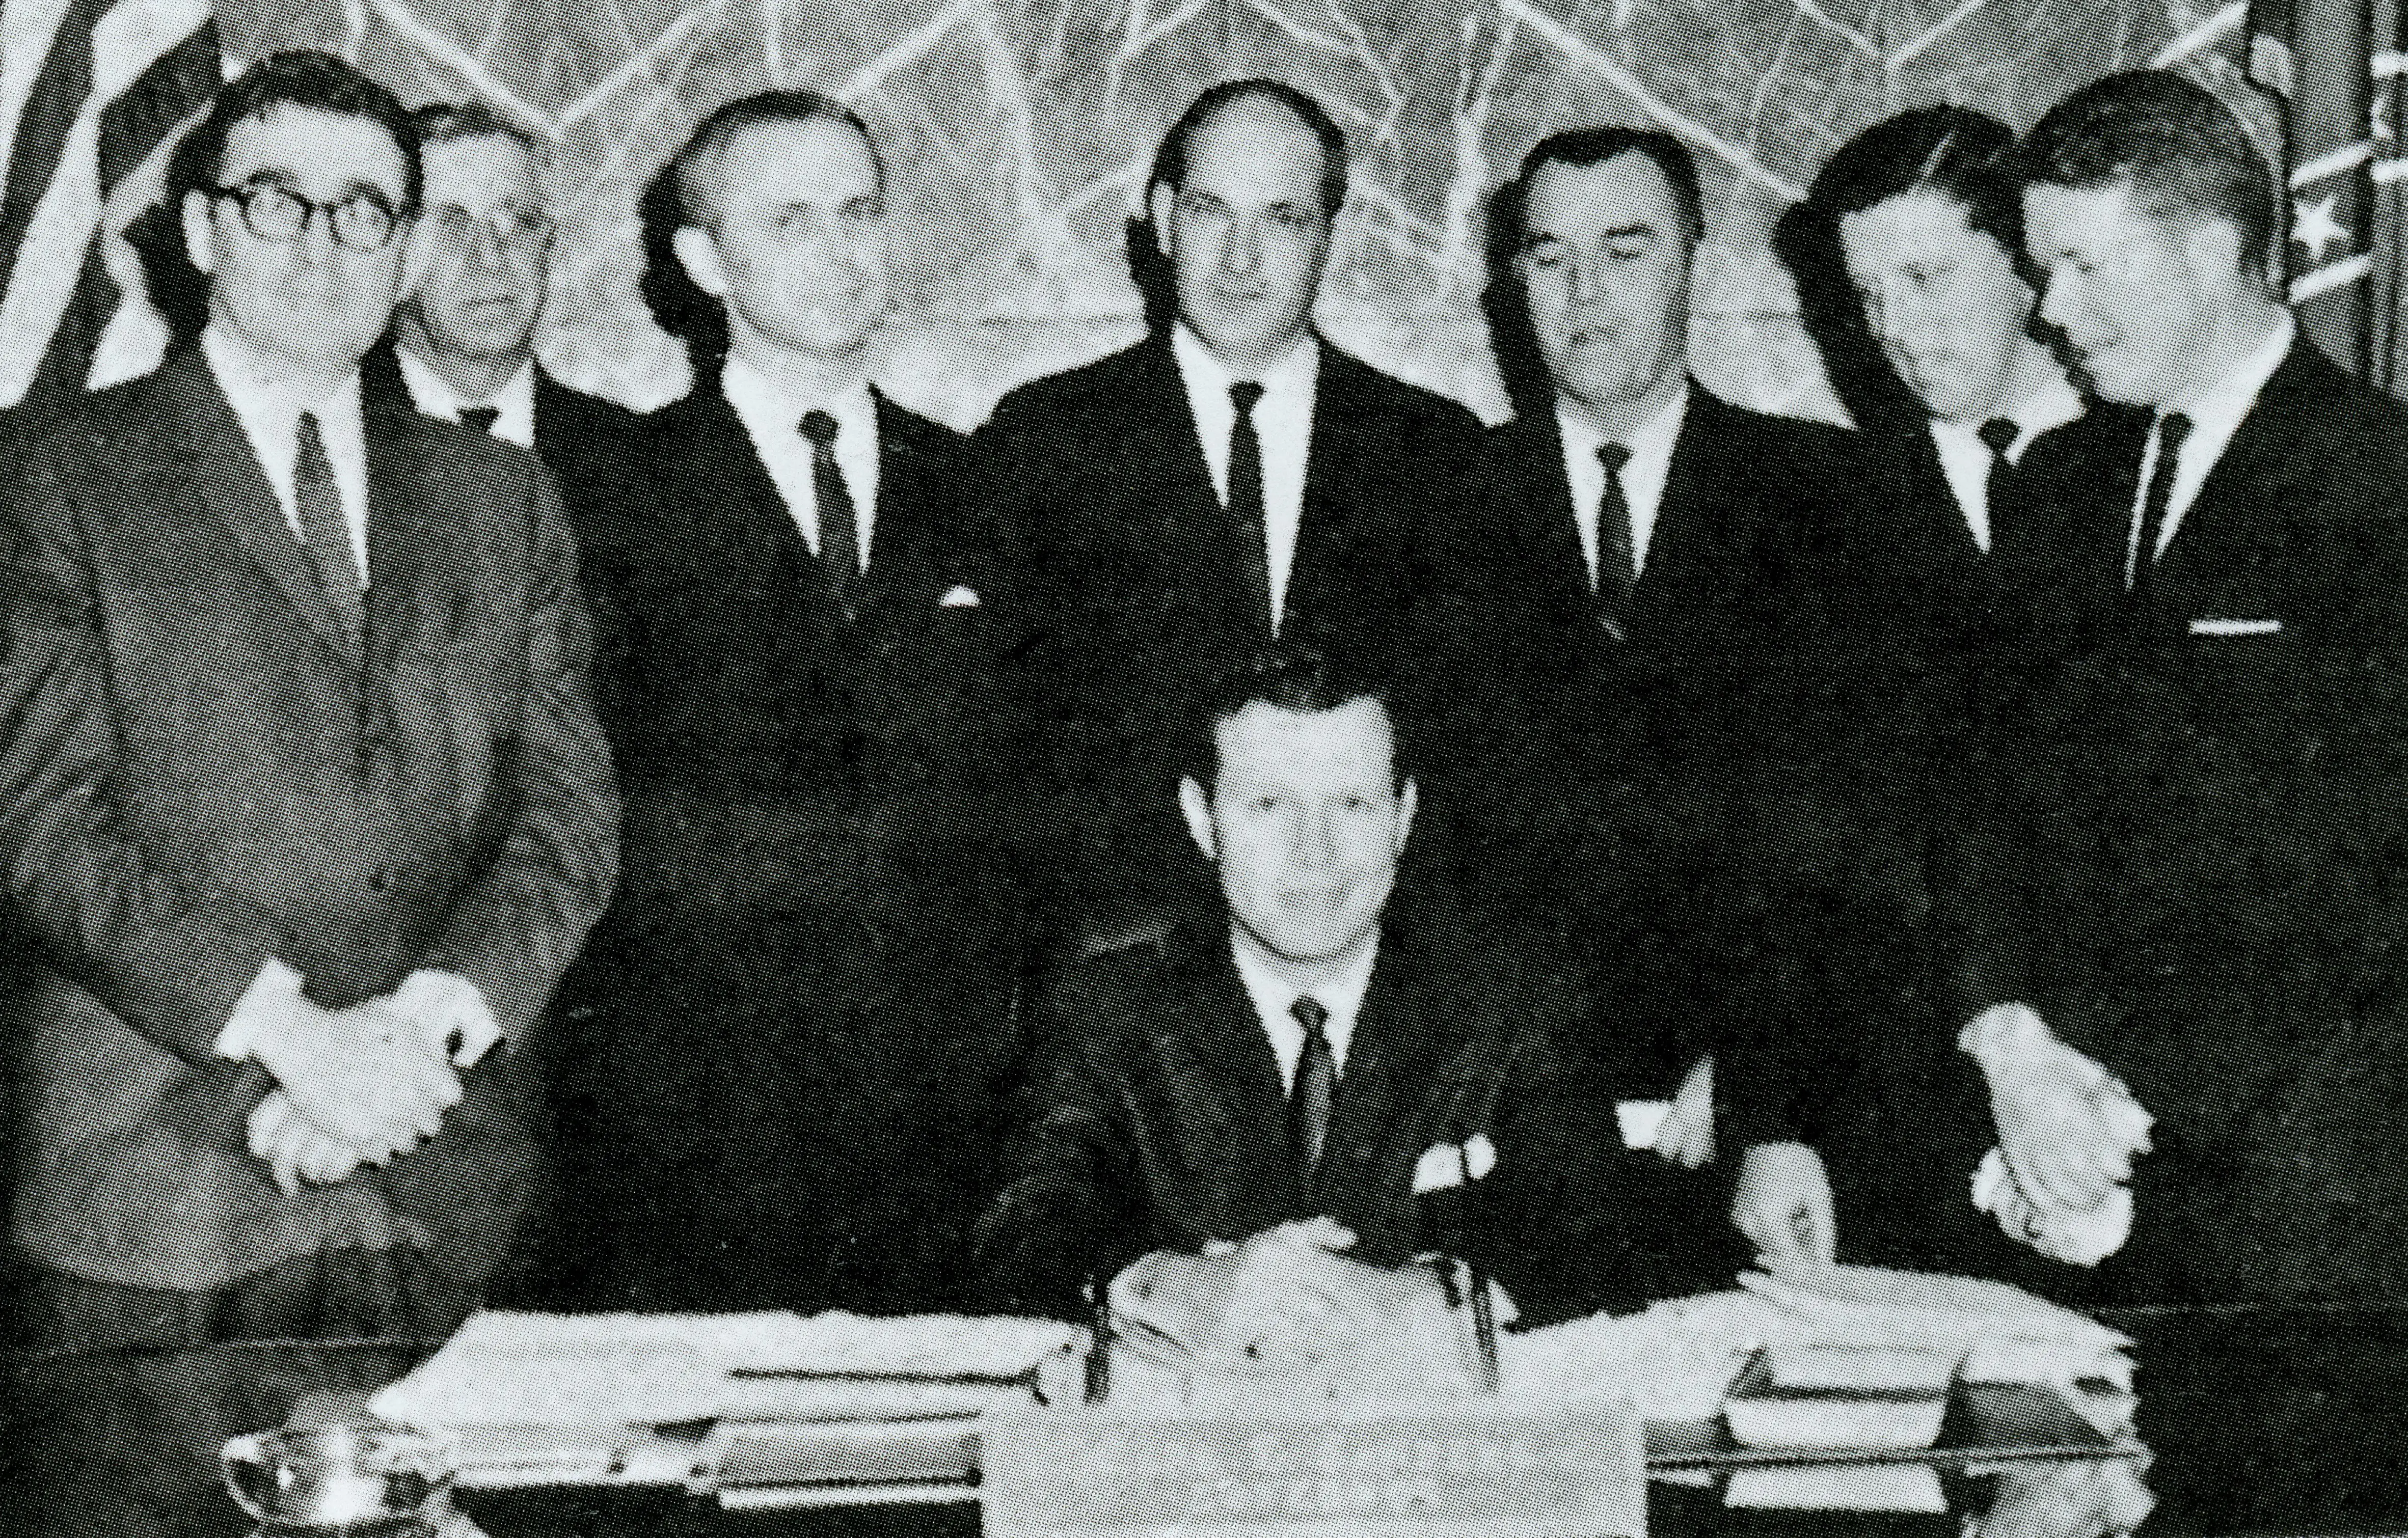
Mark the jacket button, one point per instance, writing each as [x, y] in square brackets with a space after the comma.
[384, 879]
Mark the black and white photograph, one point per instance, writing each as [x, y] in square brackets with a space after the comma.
[1203, 769]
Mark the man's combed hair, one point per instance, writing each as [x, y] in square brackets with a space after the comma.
[1503, 300]
[2185, 153]
[303, 77]
[1952, 152]
[678, 196]
[1291, 676]
[1150, 266]
[451, 122]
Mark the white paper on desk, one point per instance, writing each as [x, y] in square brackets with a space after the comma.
[531, 1370]
[941, 1346]
[1919, 1308]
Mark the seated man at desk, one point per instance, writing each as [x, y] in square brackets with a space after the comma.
[1282, 1058]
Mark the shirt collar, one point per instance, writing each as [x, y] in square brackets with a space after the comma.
[1274, 998]
[1653, 439]
[264, 397]
[767, 407]
[2217, 414]
[1289, 379]
[433, 394]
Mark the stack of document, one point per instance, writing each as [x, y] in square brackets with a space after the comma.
[715, 1401]
[1803, 1367]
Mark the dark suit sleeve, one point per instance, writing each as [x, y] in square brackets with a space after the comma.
[1069, 1212]
[515, 933]
[1572, 1222]
[166, 950]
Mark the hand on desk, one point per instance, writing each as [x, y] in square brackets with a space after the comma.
[1782, 1202]
[1290, 1288]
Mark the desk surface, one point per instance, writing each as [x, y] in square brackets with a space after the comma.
[2293, 1421]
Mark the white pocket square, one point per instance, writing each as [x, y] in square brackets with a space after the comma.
[2236, 627]
[959, 597]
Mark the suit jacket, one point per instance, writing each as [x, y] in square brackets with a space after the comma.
[2212, 837]
[1154, 1117]
[1918, 650]
[820, 885]
[1620, 764]
[581, 439]
[199, 774]
[1134, 602]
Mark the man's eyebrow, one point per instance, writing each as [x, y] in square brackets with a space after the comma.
[1631, 231]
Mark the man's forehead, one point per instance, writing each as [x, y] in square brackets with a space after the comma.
[1255, 145]
[1268, 741]
[1627, 192]
[812, 161]
[312, 150]
[482, 169]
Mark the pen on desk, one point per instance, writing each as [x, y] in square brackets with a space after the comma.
[1483, 1310]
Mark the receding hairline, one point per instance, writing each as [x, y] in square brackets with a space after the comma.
[1267, 101]
[715, 145]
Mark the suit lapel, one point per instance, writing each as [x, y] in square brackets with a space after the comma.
[405, 529]
[1221, 1051]
[1192, 524]
[2261, 472]
[1553, 533]
[1401, 1039]
[223, 474]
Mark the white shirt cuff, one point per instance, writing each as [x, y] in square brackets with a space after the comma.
[277, 986]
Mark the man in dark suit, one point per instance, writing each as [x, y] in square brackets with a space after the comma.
[1906, 252]
[2207, 905]
[802, 988]
[302, 796]
[1281, 1059]
[463, 347]
[1231, 477]
[1637, 577]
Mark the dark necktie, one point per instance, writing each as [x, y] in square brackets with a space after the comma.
[1246, 503]
[1317, 1086]
[2171, 429]
[320, 509]
[1617, 559]
[840, 538]
[480, 417]
[1999, 433]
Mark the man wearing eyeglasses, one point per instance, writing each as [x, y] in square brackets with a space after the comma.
[302, 796]
[478, 270]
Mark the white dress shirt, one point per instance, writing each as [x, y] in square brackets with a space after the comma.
[433, 397]
[1643, 475]
[1965, 459]
[1274, 1002]
[268, 405]
[1282, 424]
[774, 422]
[2215, 417]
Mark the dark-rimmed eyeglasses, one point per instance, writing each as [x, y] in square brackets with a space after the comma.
[363, 222]
[521, 232]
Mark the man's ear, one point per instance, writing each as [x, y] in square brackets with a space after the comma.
[2212, 250]
[200, 236]
[1158, 199]
[1406, 801]
[1196, 806]
[699, 254]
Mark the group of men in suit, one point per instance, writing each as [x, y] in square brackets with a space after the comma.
[801, 823]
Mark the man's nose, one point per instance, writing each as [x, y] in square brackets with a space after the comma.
[1316, 839]
[2059, 300]
[1243, 251]
[1589, 286]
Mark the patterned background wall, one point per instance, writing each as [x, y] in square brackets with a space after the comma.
[1018, 131]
